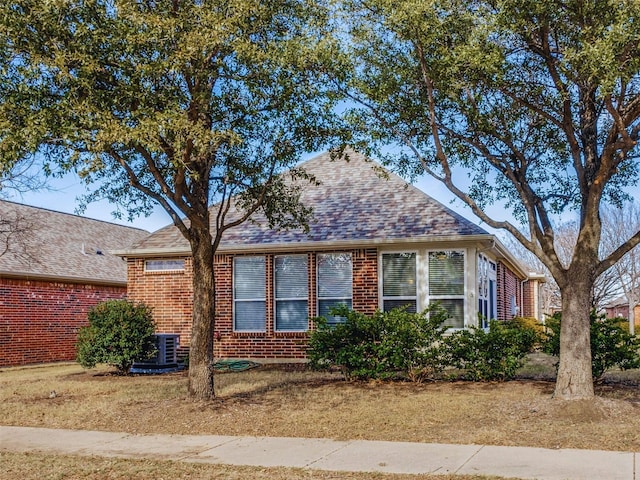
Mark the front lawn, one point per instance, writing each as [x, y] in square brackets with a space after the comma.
[294, 402]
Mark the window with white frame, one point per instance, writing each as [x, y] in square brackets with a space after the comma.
[291, 293]
[487, 301]
[166, 265]
[249, 294]
[446, 284]
[399, 281]
[334, 283]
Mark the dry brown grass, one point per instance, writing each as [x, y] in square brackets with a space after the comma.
[39, 467]
[297, 403]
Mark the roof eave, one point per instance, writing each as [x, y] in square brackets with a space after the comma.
[494, 244]
[151, 252]
[42, 277]
[316, 245]
[510, 260]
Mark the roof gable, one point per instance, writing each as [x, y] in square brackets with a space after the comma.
[62, 246]
[356, 201]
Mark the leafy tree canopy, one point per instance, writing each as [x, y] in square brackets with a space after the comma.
[162, 96]
[506, 82]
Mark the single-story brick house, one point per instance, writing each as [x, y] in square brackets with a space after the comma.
[54, 267]
[375, 242]
[619, 307]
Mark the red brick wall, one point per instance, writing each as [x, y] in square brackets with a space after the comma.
[618, 311]
[528, 293]
[508, 287]
[170, 294]
[365, 280]
[39, 320]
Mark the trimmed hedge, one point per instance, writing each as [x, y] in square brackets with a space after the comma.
[384, 345]
[417, 347]
[494, 354]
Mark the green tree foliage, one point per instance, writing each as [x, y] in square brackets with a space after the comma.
[533, 104]
[120, 333]
[383, 345]
[495, 354]
[195, 105]
[611, 344]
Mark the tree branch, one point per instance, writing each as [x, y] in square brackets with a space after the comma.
[544, 51]
[618, 253]
[134, 181]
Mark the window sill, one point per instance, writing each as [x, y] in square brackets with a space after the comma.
[300, 334]
[249, 334]
[164, 272]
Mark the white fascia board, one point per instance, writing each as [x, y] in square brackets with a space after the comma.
[307, 246]
[510, 259]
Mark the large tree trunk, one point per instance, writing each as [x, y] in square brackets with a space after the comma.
[201, 348]
[575, 379]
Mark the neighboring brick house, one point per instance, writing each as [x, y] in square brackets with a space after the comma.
[53, 268]
[375, 242]
[619, 308]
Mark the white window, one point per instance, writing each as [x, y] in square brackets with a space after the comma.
[335, 282]
[446, 284]
[163, 265]
[291, 293]
[487, 301]
[249, 294]
[399, 281]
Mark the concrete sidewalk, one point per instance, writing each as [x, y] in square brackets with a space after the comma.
[325, 454]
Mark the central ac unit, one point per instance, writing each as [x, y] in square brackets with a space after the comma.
[166, 357]
[167, 345]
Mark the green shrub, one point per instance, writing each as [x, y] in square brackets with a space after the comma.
[495, 354]
[119, 334]
[530, 323]
[611, 343]
[384, 345]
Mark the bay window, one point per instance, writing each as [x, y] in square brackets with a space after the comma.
[415, 279]
[446, 284]
[487, 301]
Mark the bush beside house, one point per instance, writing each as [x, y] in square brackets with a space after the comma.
[382, 345]
[119, 334]
[418, 346]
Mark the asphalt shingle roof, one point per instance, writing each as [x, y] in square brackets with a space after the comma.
[353, 203]
[58, 245]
